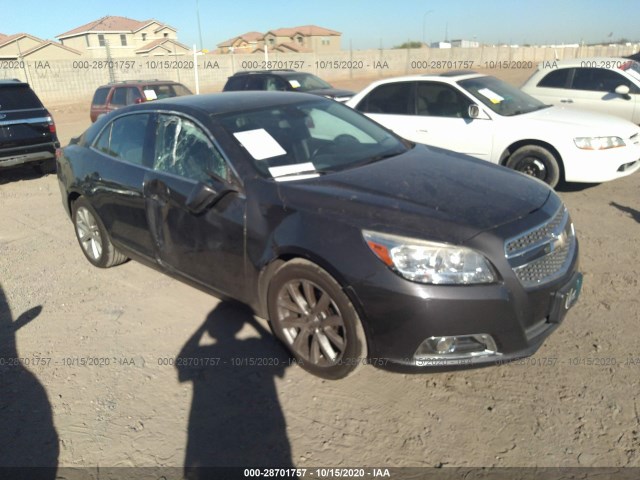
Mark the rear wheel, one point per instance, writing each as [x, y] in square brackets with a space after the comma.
[311, 314]
[93, 237]
[537, 162]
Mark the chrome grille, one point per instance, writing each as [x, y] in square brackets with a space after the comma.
[537, 236]
[544, 253]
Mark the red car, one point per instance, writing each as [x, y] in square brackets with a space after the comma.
[121, 94]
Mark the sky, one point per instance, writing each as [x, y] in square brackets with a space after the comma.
[364, 24]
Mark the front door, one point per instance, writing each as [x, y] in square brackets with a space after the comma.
[206, 246]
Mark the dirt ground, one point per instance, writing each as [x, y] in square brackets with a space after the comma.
[97, 384]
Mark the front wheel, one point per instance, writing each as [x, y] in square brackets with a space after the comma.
[311, 314]
[537, 162]
[93, 237]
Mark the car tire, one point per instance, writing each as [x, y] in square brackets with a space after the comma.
[315, 319]
[92, 236]
[537, 162]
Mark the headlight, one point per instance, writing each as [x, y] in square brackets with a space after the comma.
[598, 143]
[429, 262]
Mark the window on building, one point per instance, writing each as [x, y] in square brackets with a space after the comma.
[86, 40]
[123, 40]
[325, 41]
[166, 35]
[101, 41]
[144, 37]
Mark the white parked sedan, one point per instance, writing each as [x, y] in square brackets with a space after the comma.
[484, 117]
[606, 85]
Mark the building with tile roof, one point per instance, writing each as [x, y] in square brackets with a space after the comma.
[25, 46]
[118, 37]
[306, 38]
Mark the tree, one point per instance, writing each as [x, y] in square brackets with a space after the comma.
[410, 44]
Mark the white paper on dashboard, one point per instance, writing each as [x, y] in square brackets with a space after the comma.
[491, 95]
[294, 83]
[260, 144]
[292, 169]
[150, 94]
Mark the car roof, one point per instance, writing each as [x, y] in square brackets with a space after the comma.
[259, 72]
[230, 102]
[447, 77]
[601, 62]
[123, 83]
[12, 82]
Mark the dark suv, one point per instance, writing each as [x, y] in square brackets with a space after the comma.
[27, 132]
[121, 94]
[285, 80]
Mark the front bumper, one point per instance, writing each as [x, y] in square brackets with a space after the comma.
[403, 318]
[595, 166]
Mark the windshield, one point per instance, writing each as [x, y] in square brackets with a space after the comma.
[310, 137]
[632, 68]
[501, 97]
[305, 82]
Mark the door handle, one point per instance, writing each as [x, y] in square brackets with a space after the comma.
[566, 100]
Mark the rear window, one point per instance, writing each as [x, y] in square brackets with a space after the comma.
[164, 91]
[18, 97]
[100, 97]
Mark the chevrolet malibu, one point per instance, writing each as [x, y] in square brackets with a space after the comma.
[357, 246]
[484, 117]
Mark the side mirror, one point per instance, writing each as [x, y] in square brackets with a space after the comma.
[203, 197]
[622, 90]
[473, 111]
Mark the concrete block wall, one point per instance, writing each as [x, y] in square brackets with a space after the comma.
[71, 81]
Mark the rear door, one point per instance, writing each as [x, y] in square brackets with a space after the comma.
[120, 159]
[206, 246]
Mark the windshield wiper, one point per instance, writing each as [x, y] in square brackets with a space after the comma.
[302, 172]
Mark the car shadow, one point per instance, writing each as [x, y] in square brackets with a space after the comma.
[633, 213]
[28, 437]
[574, 187]
[235, 419]
[23, 172]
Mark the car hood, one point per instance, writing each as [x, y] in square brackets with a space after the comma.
[581, 121]
[331, 92]
[426, 192]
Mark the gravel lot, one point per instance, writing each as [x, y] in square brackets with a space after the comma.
[574, 404]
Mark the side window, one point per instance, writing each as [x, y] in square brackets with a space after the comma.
[182, 148]
[275, 83]
[391, 98]
[598, 79]
[124, 138]
[119, 97]
[440, 100]
[133, 94]
[255, 82]
[100, 97]
[235, 83]
[556, 79]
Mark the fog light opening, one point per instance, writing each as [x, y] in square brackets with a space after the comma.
[456, 347]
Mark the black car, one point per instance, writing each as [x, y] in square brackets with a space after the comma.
[357, 245]
[285, 80]
[27, 131]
